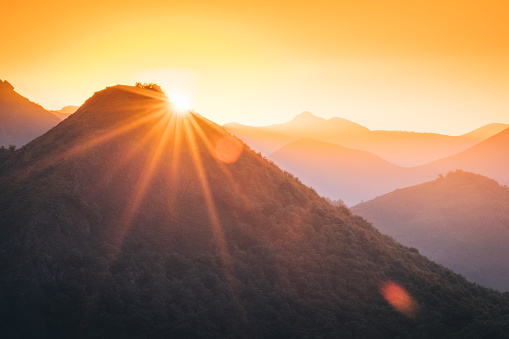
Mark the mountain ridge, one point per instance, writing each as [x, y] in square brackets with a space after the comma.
[129, 220]
[340, 172]
[459, 220]
[65, 112]
[488, 158]
[21, 120]
[407, 149]
[487, 130]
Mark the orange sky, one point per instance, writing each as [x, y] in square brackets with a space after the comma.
[438, 66]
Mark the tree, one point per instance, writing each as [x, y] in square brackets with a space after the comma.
[150, 85]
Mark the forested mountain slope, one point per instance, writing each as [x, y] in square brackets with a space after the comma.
[460, 221]
[130, 220]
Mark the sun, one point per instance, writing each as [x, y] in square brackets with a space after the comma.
[180, 100]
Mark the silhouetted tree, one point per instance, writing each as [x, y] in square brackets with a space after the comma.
[150, 85]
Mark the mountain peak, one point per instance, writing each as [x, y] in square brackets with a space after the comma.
[165, 225]
[5, 85]
[21, 120]
[68, 109]
[118, 103]
[458, 220]
[486, 131]
[306, 116]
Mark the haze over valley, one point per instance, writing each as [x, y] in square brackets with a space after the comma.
[132, 218]
[343, 160]
[254, 169]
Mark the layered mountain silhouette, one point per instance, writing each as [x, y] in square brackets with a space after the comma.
[399, 147]
[268, 139]
[460, 221]
[65, 112]
[486, 131]
[20, 119]
[489, 158]
[354, 176]
[342, 173]
[131, 220]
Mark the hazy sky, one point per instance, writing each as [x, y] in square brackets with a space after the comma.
[439, 66]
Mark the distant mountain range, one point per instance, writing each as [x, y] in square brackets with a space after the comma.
[65, 112]
[342, 173]
[490, 157]
[20, 119]
[399, 147]
[355, 175]
[460, 221]
[128, 220]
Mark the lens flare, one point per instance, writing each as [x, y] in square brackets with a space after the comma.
[399, 298]
[228, 149]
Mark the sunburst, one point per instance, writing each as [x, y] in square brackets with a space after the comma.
[181, 101]
[167, 129]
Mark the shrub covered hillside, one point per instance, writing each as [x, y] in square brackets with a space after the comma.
[128, 220]
[460, 220]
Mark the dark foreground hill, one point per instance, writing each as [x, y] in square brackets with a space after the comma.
[460, 221]
[21, 120]
[129, 220]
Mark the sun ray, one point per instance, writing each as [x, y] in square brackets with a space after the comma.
[124, 159]
[212, 150]
[157, 125]
[102, 137]
[141, 187]
[217, 229]
[175, 161]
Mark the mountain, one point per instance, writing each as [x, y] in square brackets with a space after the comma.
[268, 139]
[460, 221]
[488, 158]
[131, 220]
[307, 122]
[342, 173]
[354, 175]
[411, 149]
[65, 112]
[20, 119]
[399, 147]
[486, 131]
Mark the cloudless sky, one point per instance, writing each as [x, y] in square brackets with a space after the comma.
[436, 66]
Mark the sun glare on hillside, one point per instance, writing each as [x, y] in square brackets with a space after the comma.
[399, 298]
[180, 100]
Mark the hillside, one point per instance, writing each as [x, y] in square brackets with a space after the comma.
[342, 173]
[129, 220]
[488, 158]
[20, 119]
[399, 147]
[65, 112]
[268, 139]
[486, 131]
[355, 176]
[460, 221]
